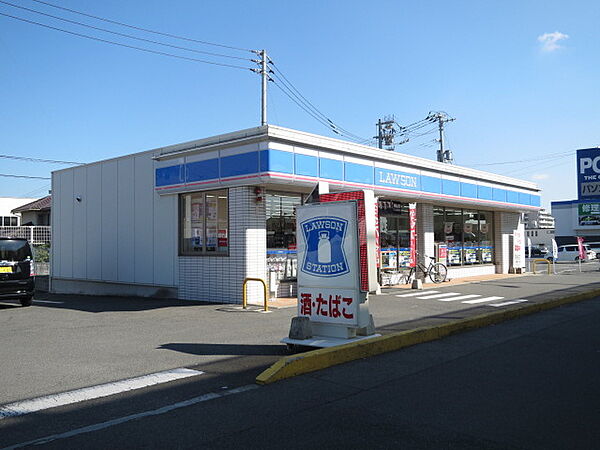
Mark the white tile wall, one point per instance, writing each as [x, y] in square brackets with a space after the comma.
[220, 279]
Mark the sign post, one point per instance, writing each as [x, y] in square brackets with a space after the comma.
[336, 270]
[518, 248]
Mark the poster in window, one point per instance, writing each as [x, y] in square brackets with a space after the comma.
[197, 238]
[454, 256]
[211, 237]
[222, 238]
[211, 204]
[196, 211]
[470, 255]
[484, 228]
[486, 255]
[468, 227]
[448, 227]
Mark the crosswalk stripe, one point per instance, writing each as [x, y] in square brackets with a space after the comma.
[511, 302]
[414, 294]
[460, 297]
[483, 300]
[439, 296]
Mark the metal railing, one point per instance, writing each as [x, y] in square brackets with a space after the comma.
[535, 261]
[244, 295]
[36, 235]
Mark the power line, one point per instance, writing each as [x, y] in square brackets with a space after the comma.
[123, 34]
[541, 158]
[284, 81]
[140, 28]
[125, 45]
[23, 176]
[51, 161]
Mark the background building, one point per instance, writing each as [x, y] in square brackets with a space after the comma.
[581, 217]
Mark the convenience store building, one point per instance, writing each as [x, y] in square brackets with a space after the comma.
[193, 220]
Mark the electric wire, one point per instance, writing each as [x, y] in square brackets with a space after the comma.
[541, 158]
[187, 58]
[40, 160]
[23, 176]
[123, 34]
[147, 30]
[307, 103]
[315, 111]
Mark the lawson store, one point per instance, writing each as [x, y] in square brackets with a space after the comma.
[193, 220]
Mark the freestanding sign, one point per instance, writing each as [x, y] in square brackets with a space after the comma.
[336, 269]
[329, 272]
[519, 247]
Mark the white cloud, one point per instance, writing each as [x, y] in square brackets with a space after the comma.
[540, 176]
[550, 41]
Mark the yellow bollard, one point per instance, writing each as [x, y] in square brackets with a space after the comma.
[549, 263]
[244, 295]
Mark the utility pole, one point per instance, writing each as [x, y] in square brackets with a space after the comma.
[386, 130]
[444, 156]
[265, 78]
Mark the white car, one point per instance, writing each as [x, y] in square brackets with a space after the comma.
[571, 253]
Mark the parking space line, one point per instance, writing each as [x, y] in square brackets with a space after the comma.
[414, 294]
[439, 296]
[482, 300]
[93, 392]
[511, 302]
[125, 419]
[460, 297]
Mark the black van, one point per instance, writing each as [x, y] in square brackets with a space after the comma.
[16, 281]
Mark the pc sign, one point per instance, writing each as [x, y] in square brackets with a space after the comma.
[588, 174]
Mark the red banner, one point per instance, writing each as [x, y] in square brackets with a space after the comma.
[412, 219]
[582, 252]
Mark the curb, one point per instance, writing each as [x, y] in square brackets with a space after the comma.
[291, 366]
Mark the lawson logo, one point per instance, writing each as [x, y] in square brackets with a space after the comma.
[324, 239]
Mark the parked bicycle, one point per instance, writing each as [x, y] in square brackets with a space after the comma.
[437, 272]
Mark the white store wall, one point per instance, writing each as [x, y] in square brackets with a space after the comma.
[121, 231]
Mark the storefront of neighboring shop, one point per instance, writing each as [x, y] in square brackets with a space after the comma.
[193, 220]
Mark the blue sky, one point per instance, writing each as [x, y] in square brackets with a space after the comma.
[514, 97]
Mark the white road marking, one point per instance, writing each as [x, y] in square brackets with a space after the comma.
[47, 301]
[511, 302]
[483, 300]
[120, 420]
[89, 393]
[439, 296]
[460, 297]
[413, 294]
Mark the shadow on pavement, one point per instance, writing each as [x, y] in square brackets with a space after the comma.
[225, 349]
[96, 304]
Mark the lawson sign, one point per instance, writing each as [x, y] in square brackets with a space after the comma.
[588, 174]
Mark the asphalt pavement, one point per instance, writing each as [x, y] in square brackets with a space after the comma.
[529, 383]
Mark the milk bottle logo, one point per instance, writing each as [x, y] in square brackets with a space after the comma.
[324, 248]
[324, 239]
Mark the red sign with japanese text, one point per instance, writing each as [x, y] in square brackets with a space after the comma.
[328, 305]
[412, 218]
[582, 252]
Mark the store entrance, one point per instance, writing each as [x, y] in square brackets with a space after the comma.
[282, 263]
[394, 235]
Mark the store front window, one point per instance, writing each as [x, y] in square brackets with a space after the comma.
[464, 236]
[204, 223]
[394, 235]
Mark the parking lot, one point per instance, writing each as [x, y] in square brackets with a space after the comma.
[68, 342]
